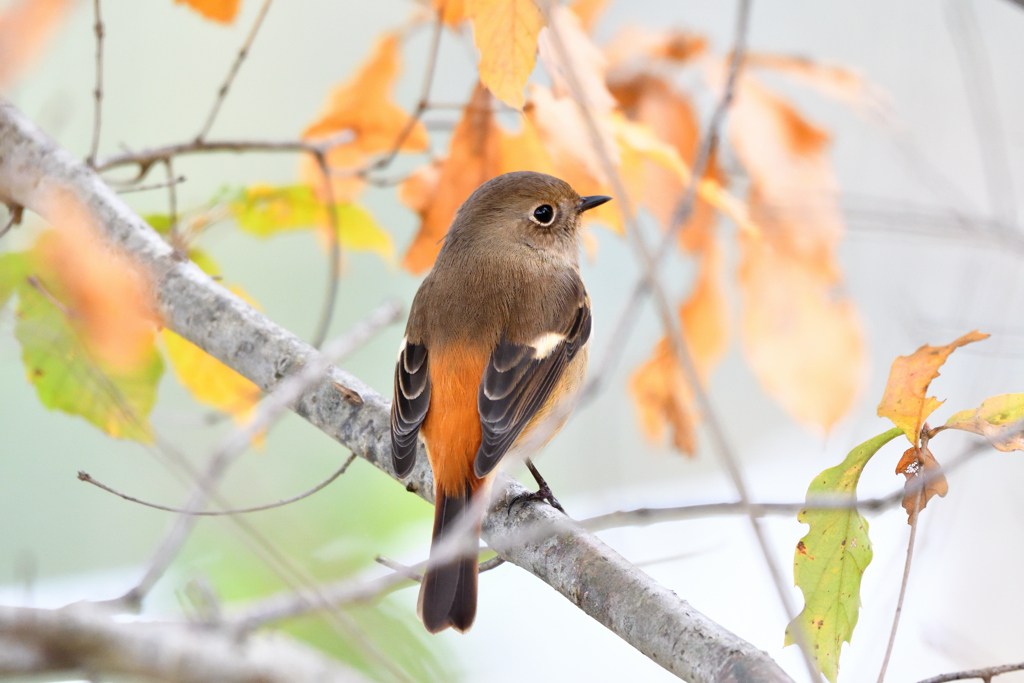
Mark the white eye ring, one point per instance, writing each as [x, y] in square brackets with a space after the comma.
[543, 215]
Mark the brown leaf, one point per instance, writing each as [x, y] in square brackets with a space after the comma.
[25, 28]
[905, 401]
[916, 463]
[363, 106]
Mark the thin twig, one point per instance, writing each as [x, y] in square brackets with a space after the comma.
[918, 500]
[15, 218]
[649, 516]
[173, 238]
[680, 216]
[673, 328]
[145, 159]
[37, 285]
[151, 186]
[398, 567]
[334, 254]
[274, 405]
[87, 478]
[242, 53]
[986, 674]
[98, 91]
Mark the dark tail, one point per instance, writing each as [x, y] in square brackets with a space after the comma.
[448, 592]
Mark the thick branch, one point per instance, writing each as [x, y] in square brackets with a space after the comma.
[571, 560]
[87, 638]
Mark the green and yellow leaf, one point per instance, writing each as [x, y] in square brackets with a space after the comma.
[831, 559]
[1000, 419]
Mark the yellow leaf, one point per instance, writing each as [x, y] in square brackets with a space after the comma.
[223, 11]
[1000, 419]
[905, 401]
[505, 32]
[362, 106]
[25, 27]
[801, 336]
[452, 11]
[208, 380]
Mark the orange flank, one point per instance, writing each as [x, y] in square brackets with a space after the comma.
[451, 428]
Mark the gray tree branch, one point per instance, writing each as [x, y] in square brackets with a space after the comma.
[531, 535]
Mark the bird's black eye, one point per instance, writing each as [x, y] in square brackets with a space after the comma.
[544, 214]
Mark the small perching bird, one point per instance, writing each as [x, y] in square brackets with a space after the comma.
[496, 341]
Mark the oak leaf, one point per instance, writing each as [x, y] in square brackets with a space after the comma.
[223, 11]
[363, 106]
[830, 560]
[1000, 419]
[505, 32]
[905, 401]
[916, 463]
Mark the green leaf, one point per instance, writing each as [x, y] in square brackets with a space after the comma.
[160, 222]
[1000, 419]
[264, 210]
[14, 268]
[68, 379]
[204, 261]
[831, 559]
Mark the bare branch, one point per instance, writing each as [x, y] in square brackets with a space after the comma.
[242, 53]
[152, 186]
[86, 638]
[571, 560]
[986, 674]
[98, 91]
[87, 478]
[14, 219]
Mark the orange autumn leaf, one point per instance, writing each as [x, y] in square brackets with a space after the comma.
[107, 296]
[25, 28]
[505, 32]
[916, 463]
[363, 106]
[223, 11]
[635, 44]
[802, 338]
[663, 397]
[452, 11]
[791, 174]
[473, 158]
[905, 401]
[588, 11]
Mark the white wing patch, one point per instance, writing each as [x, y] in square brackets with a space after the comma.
[546, 343]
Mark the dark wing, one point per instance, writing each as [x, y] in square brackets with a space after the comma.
[518, 381]
[412, 398]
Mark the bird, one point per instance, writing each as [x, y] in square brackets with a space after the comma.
[496, 342]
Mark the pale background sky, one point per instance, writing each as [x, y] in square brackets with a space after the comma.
[914, 193]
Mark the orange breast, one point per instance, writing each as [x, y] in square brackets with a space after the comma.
[451, 428]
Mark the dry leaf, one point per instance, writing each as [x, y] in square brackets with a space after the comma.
[505, 32]
[1000, 419]
[107, 296]
[641, 47]
[586, 60]
[363, 106]
[915, 463]
[659, 388]
[223, 11]
[905, 401]
[473, 158]
[588, 11]
[25, 28]
[841, 83]
[801, 335]
[452, 11]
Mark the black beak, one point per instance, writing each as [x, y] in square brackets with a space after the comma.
[588, 203]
